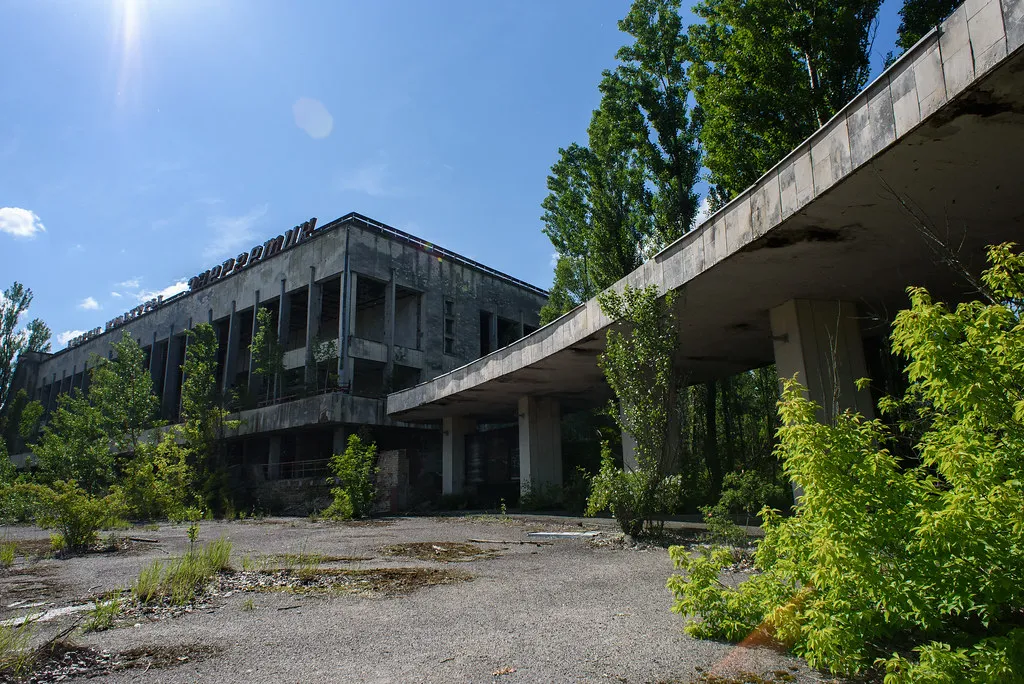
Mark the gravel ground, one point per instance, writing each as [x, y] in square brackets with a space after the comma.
[565, 611]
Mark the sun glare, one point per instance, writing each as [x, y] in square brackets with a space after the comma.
[127, 26]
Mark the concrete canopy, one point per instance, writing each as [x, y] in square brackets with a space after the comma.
[906, 186]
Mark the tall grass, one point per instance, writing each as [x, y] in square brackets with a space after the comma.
[15, 655]
[7, 551]
[180, 580]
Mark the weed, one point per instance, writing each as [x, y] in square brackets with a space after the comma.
[248, 605]
[15, 656]
[7, 550]
[56, 541]
[248, 564]
[102, 615]
[182, 579]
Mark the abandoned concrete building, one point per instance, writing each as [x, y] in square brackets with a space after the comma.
[362, 309]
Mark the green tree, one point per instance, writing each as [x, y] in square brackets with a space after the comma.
[629, 191]
[766, 74]
[122, 391]
[353, 472]
[204, 419]
[75, 447]
[918, 17]
[639, 365]
[14, 302]
[267, 351]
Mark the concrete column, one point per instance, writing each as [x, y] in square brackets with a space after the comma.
[628, 451]
[252, 377]
[49, 394]
[158, 364]
[540, 443]
[274, 458]
[283, 315]
[312, 323]
[85, 376]
[342, 323]
[353, 286]
[231, 353]
[453, 453]
[172, 374]
[389, 330]
[184, 355]
[492, 332]
[820, 343]
[340, 440]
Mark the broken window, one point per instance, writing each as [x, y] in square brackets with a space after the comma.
[408, 326]
[449, 327]
[370, 296]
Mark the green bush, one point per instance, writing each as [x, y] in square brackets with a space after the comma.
[720, 526]
[633, 497]
[354, 472]
[156, 482]
[880, 552]
[72, 512]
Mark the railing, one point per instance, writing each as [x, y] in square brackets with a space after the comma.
[294, 470]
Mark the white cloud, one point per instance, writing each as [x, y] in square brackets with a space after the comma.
[115, 294]
[169, 291]
[231, 234]
[703, 211]
[68, 335]
[20, 223]
[312, 117]
[89, 304]
[368, 179]
[131, 283]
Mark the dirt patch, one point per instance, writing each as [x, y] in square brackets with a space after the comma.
[301, 559]
[443, 552]
[366, 581]
[64, 660]
[773, 677]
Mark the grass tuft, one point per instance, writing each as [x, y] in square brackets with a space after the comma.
[181, 580]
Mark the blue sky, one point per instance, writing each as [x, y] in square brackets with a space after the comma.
[142, 140]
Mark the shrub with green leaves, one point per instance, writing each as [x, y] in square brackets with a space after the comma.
[156, 483]
[878, 551]
[71, 511]
[354, 472]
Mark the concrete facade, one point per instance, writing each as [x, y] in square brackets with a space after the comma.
[361, 309]
[906, 185]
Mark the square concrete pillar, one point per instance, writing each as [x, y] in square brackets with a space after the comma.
[820, 342]
[313, 302]
[339, 441]
[453, 453]
[389, 330]
[540, 443]
[274, 458]
[231, 352]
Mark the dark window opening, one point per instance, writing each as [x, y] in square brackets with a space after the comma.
[508, 332]
[486, 318]
[370, 296]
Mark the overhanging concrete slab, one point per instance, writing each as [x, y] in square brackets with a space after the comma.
[924, 164]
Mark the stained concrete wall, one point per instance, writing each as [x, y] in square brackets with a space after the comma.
[373, 251]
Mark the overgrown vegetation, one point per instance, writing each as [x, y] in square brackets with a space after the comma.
[180, 580]
[639, 364]
[15, 655]
[884, 556]
[353, 472]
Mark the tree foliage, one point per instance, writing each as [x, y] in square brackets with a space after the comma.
[879, 551]
[639, 365]
[14, 302]
[918, 17]
[629, 191]
[204, 419]
[267, 350]
[766, 74]
[122, 391]
[354, 471]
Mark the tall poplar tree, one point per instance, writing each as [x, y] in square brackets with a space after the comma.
[767, 73]
[918, 17]
[629, 191]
